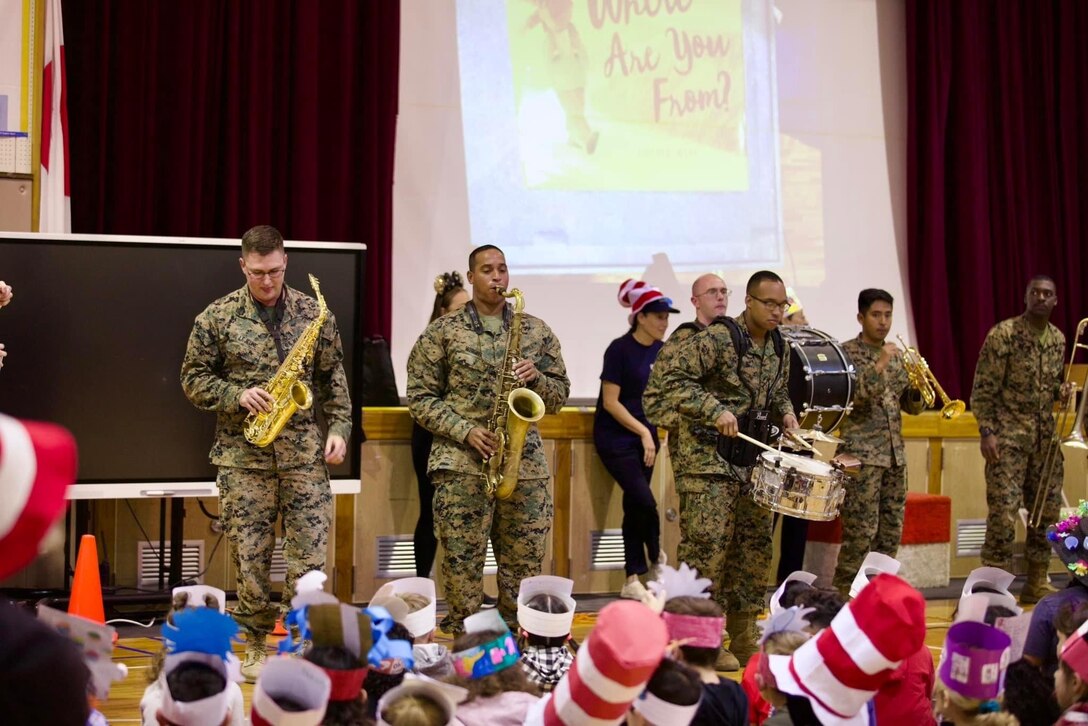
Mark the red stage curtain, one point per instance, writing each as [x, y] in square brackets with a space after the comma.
[997, 168]
[205, 117]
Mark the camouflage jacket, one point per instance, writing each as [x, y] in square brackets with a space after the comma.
[230, 350]
[873, 431]
[1017, 380]
[453, 374]
[700, 382]
[670, 419]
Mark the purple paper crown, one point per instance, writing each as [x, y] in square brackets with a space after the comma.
[976, 656]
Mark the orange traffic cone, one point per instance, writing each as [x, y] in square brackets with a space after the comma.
[86, 599]
[279, 629]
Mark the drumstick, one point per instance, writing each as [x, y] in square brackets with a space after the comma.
[798, 440]
[760, 444]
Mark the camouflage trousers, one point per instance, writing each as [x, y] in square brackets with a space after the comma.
[250, 501]
[1011, 482]
[465, 517]
[726, 536]
[872, 519]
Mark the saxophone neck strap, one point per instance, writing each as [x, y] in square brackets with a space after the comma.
[477, 324]
[273, 319]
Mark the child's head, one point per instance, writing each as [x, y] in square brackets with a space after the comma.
[780, 643]
[410, 601]
[290, 685]
[825, 604]
[960, 709]
[193, 596]
[546, 610]
[505, 676]
[1071, 679]
[420, 701]
[972, 674]
[704, 654]
[1068, 620]
[1029, 695]
[189, 682]
[346, 705]
[791, 591]
[389, 675]
[545, 602]
[671, 696]
[414, 709]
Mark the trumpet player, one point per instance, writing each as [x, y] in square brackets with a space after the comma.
[456, 371]
[872, 511]
[1017, 380]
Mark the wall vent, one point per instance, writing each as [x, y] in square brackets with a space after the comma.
[147, 558]
[970, 534]
[606, 549]
[396, 558]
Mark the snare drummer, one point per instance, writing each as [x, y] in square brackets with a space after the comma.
[724, 534]
[872, 511]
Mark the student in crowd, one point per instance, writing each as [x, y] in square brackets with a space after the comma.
[486, 663]
[545, 614]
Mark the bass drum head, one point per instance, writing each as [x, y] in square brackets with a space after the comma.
[821, 384]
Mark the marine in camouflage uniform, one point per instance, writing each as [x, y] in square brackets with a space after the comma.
[230, 350]
[1017, 381]
[453, 374]
[872, 511]
[710, 297]
[724, 534]
[670, 419]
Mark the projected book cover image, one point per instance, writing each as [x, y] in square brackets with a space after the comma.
[610, 100]
[621, 127]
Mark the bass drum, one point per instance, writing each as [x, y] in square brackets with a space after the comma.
[821, 378]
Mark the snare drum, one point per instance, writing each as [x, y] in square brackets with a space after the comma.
[821, 381]
[798, 486]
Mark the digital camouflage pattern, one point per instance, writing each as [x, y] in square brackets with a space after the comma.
[1017, 380]
[465, 517]
[453, 373]
[872, 519]
[249, 501]
[726, 536]
[700, 382]
[723, 532]
[872, 511]
[670, 419]
[230, 350]
[873, 432]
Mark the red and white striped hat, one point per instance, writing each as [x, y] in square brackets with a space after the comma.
[841, 669]
[611, 669]
[37, 463]
[636, 294]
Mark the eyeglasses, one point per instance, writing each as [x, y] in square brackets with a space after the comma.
[715, 291]
[271, 274]
[772, 305]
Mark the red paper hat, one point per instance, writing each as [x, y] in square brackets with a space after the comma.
[611, 669]
[37, 464]
[843, 667]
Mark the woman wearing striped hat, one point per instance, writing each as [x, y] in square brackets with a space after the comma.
[626, 441]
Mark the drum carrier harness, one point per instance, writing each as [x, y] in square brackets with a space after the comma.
[755, 422]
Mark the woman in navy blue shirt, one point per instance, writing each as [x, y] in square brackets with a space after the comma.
[625, 440]
[450, 296]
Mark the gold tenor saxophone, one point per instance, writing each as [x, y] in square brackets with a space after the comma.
[288, 391]
[501, 468]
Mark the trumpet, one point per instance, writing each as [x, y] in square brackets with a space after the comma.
[923, 380]
[1075, 440]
